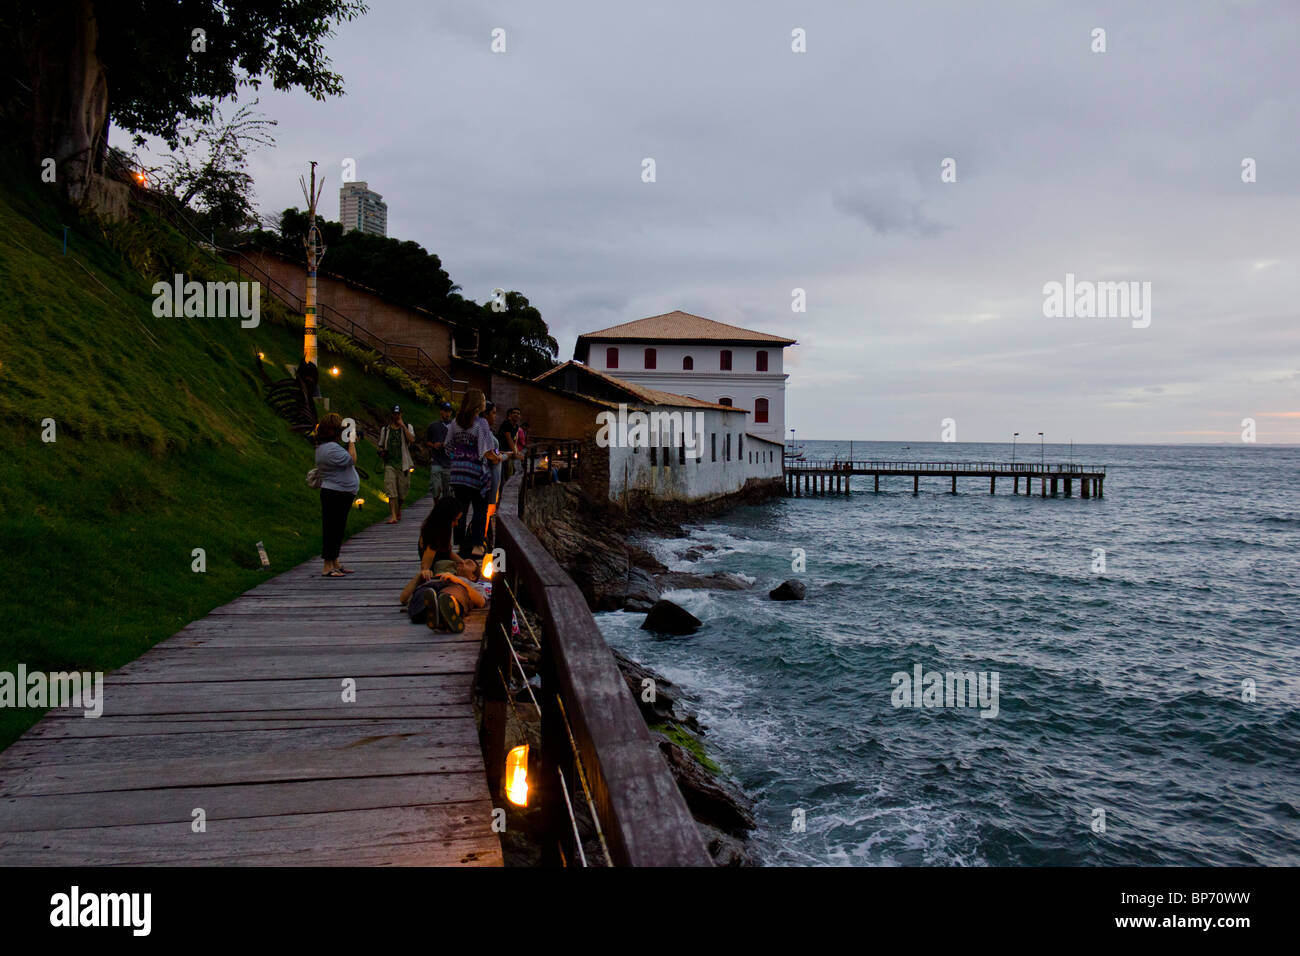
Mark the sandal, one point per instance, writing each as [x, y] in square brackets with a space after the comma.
[347, 570]
[332, 573]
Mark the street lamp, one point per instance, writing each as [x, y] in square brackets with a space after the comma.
[1042, 452]
[1014, 436]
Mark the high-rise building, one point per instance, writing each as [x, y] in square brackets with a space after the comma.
[360, 208]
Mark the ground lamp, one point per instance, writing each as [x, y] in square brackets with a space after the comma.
[517, 775]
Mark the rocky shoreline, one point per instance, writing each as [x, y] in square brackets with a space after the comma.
[591, 542]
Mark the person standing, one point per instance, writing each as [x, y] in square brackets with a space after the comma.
[435, 437]
[339, 483]
[472, 450]
[395, 446]
[508, 439]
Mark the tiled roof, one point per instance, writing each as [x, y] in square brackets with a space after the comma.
[682, 325]
[650, 396]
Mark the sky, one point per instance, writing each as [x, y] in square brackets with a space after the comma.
[778, 170]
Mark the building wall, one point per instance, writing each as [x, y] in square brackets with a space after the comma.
[363, 209]
[389, 321]
[632, 470]
[743, 385]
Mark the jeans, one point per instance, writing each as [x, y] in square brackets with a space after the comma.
[334, 508]
[471, 537]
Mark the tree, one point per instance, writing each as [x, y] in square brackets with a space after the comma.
[210, 166]
[152, 65]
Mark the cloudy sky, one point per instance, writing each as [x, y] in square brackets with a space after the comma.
[820, 170]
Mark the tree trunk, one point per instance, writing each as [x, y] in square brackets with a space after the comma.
[71, 97]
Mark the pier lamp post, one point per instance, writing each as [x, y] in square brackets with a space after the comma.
[1014, 436]
[1042, 452]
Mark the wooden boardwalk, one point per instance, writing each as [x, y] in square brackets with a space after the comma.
[242, 715]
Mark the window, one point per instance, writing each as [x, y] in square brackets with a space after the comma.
[688, 364]
[668, 459]
[724, 360]
[740, 447]
[725, 401]
[611, 357]
[726, 447]
[651, 359]
[760, 362]
[654, 454]
[681, 453]
[713, 442]
[760, 411]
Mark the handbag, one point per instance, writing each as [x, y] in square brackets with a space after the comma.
[313, 478]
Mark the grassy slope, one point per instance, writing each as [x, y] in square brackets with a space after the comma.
[164, 444]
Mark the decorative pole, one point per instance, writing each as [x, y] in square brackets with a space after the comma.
[315, 252]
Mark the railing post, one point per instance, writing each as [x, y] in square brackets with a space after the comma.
[494, 664]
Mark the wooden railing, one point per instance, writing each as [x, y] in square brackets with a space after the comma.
[547, 461]
[596, 750]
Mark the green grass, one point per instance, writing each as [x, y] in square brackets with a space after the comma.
[164, 443]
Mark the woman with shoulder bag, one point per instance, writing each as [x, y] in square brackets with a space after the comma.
[336, 468]
[473, 451]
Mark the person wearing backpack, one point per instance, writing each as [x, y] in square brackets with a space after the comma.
[395, 449]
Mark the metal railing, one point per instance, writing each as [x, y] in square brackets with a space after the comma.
[596, 751]
[945, 467]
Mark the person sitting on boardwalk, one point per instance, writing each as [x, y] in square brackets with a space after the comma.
[473, 449]
[395, 448]
[339, 483]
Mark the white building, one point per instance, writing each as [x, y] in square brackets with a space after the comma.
[362, 209]
[690, 355]
[714, 454]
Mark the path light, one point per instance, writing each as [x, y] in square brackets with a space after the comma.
[517, 776]
[487, 566]
[359, 503]
[261, 356]
[335, 371]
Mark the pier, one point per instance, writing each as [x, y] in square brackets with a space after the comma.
[832, 477]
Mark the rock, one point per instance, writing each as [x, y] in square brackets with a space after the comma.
[711, 799]
[642, 593]
[726, 849]
[667, 705]
[697, 552]
[667, 618]
[791, 590]
[641, 558]
[684, 580]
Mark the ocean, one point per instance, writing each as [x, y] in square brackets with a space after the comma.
[1147, 713]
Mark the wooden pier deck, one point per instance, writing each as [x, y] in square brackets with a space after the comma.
[242, 716]
[831, 476]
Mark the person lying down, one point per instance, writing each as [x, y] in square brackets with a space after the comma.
[442, 592]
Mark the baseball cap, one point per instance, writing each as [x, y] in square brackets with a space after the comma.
[445, 406]
[397, 409]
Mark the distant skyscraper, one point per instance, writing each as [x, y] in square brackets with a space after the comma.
[359, 208]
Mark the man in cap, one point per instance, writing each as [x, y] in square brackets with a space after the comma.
[435, 437]
[395, 448]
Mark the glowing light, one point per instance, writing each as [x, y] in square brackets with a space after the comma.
[335, 371]
[261, 356]
[139, 177]
[487, 566]
[359, 503]
[517, 776]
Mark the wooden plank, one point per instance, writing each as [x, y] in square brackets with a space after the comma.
[176, 804]
[443, 833]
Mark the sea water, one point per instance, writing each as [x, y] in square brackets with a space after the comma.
[1146, 646]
